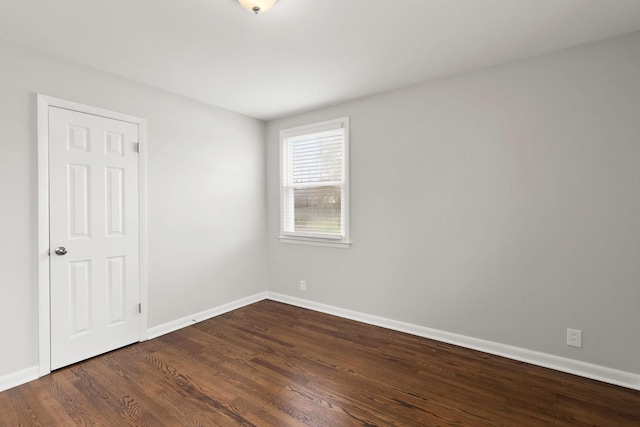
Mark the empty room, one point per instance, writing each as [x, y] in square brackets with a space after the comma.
[320, 212]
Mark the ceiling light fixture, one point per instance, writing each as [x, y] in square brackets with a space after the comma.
[257, 6]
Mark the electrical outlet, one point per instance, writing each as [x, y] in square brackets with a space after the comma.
[303, 286]
[574, 338]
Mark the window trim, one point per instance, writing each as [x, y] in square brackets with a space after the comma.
[312, 238]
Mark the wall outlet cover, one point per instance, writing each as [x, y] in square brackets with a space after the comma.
[574, 338]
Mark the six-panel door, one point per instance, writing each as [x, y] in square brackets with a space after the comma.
[93, 176]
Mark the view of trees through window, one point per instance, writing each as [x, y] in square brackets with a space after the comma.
[318, 210]
[317, 161]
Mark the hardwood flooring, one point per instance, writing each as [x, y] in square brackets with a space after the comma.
[271, 364]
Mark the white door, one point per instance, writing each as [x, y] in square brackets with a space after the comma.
[94, 289]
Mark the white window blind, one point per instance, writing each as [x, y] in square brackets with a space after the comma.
[314, 191]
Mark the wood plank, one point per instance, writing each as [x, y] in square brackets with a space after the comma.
[271, 364]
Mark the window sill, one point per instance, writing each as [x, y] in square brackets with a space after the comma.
[314, 242]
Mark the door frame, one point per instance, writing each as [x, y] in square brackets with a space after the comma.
[44, 276]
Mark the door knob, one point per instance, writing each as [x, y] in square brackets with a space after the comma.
[61, 250]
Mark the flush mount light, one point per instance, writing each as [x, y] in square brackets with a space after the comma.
[257, 6]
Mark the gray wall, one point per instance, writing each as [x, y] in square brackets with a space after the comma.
[205, 192]
[502, 204]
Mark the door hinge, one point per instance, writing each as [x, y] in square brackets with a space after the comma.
[137, 147]
[140, 308]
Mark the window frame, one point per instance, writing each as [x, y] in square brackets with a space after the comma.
[316, 239]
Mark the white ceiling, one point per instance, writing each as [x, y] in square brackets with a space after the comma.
[304, 54]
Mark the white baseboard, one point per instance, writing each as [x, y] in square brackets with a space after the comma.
[15, 379]
[583, 369]
[24, 376]
[562, 364]
[174, 325]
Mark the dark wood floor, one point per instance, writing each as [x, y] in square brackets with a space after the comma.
[270, 364]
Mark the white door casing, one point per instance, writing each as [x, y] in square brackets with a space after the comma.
[95, 213]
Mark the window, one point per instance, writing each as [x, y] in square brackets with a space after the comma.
[314, 191]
